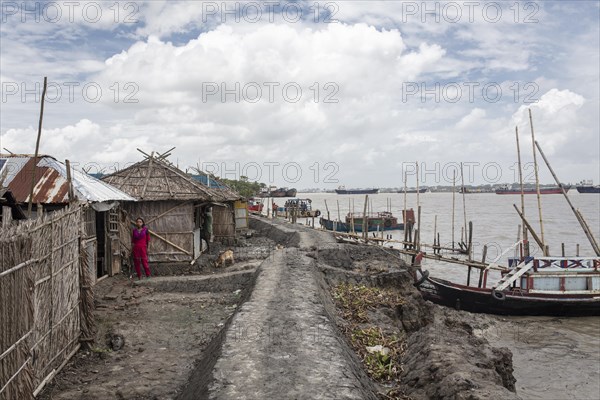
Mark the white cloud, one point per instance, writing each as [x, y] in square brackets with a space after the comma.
[368, 132]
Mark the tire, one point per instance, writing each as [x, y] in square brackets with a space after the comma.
[387, 223]
[317, 213]
[498, 295]
[423, 278]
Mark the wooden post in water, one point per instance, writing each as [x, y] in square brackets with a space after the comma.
[327, 209]
[365, 223]
[537, 185]
[580, 219]
[352, 218]
[338, 209]
[483, 257]
[418, 229]
[470, 242]
[37, 149]
[562, 249]
[434, 233]
[405, 220]
[577, 250]
[453, 203]
[462, 180]
[525, 241]
[418, 200]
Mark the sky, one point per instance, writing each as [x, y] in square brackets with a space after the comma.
[308, 94]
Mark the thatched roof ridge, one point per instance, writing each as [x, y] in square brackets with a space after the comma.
[156, 179]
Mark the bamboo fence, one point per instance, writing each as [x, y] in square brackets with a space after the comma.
[41, 300]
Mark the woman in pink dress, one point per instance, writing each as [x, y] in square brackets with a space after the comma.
[140, 238]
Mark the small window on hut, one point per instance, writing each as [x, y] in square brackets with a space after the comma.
[113, 220]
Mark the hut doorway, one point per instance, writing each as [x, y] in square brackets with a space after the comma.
[102, 253]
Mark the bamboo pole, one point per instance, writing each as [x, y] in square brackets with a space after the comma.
[526, 242]
[483, 257]
[537, 184]
[453, 203]
[462, 180]
[327, 208]
[535, 236]
[418, 200]
[69, 181]
[470, 241]
[365, 223]
[405, 219]
[418, 240]
[37, 149]
[434, 231]
[338, 210]
[580, 219]
[352, 218]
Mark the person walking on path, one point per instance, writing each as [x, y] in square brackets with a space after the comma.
[140, 238]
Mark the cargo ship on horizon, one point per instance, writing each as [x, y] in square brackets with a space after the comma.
[543, 190]
[343, 190]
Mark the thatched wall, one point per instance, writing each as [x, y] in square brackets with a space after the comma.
[171, 225]
[223, 224]
[40, 298]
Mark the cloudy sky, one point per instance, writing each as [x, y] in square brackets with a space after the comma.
[307, 94]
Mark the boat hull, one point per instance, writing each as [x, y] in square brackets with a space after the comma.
[479, 300]
[337, 226]
[358, 191]
[279, 193]
[530, 191]
[421, 190]
[588, 189]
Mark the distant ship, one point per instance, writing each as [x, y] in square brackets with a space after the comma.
[343, 190]
[421, 190]
[587, 187]
[548, 190]
[281, 192]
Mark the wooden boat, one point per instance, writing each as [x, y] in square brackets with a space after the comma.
[343, 190]
[279, 192]
[377, 222]
[255, 206]
[335, 226]
[551, 286]
[587, 187]
[546, 190]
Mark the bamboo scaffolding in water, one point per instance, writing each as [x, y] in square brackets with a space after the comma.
[537, 186]
[526, 242]
[580, 219]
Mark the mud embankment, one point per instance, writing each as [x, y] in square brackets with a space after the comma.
[438, 353]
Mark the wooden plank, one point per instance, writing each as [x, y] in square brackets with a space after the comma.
[169, 210]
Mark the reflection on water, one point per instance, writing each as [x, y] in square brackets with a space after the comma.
[554, 358]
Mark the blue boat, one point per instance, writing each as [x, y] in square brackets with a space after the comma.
[587, 187]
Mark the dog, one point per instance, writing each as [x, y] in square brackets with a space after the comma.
[224, 258]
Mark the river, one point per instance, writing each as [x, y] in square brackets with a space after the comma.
[554, 358]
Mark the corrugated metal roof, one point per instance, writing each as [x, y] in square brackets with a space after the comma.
[51, 185]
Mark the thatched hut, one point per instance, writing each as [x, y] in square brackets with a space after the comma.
[178, 210]
[54, 187]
